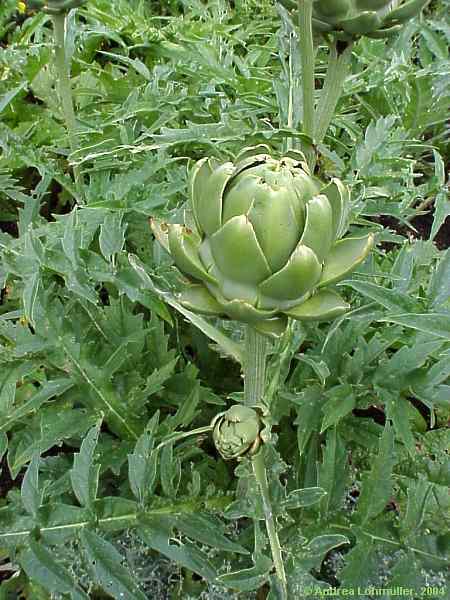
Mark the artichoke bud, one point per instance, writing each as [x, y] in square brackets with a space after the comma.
[350, 19]
[236, 432]
[267, 241]
[55, 7]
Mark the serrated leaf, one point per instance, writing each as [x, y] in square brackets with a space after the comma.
[419, 491]
[439, 288]
[341, 402]
[71, 240]
[30, 296]
[186, 413]
[85, 473]
[227, 345]
[170, 471]
[30, 492]
[3, 446]
[55, 426]
[205, 530]
[9, 96]
[42, 567]
[142, 463]
[322, 544]
[303, 497]
[375, 138]
[156, 534]
[155, 382]
[318, 366]
[247, 580]
[377, 485]
[359, 572]
[393, 300]
[333, 473]
[308, 416]
[112, 235]
[437, 324]
[48, 389]
[397, 411]
[441, 212]
[391, 373]
[107, 569]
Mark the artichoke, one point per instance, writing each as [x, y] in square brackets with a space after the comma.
[348, 19]
[55, 7]
[236, 432]
[265, 243]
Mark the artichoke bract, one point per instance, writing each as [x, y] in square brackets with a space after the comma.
[348, 19]
[236, 432]
[266, 242]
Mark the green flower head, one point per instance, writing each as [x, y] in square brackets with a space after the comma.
[266, 243]
[236, 432]
[349, 19]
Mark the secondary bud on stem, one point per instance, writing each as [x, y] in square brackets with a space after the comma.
[236, 432]
[55, 7]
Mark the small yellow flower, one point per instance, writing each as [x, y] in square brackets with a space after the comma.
[21, 7]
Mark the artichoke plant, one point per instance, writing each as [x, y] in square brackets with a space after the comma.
[266, 241]
[236, 432]
[348, 19]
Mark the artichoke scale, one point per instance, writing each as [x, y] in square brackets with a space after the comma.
[294, 280]
[405, 12]
[321, 26]
[365, 5]
[332, 9]
[200, 174]
[237, 253]
[239, 198]
[183, 246]
[275, 222]
[160, 230]
[198, 299]
[323, 306]
[364, 23]
[207, 198]
[239, 310]
[273, 328]
[318, 231]
[344, 257]
[385, 33]
[338, 197]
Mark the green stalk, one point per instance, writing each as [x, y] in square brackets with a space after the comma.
[254, 381]
[307, 60]
[254, 366]
[65, 90]
[338, 66]
[290, 116]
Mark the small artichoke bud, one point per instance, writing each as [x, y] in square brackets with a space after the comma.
[54, 7]
[236, 432]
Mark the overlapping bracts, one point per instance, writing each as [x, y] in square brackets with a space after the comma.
[349, 19]
[267, 241]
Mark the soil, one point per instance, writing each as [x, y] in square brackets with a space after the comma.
[422, 224]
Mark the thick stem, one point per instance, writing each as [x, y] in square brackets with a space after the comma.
[254, 382]
[307, 60]
[65, 89]
[259, 470]
[338, 65]
[290, 116]
[254, 366]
